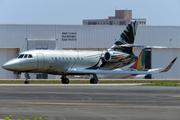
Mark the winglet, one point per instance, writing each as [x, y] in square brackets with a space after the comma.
[169, 66]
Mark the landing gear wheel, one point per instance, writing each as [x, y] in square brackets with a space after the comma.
[65, 81]
[26, 82]
[26, 75]
[93, 81]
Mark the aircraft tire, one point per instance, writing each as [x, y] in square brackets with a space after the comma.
[93, 81]
[26, 82]
[65, 81]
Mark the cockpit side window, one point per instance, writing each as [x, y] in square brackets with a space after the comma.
[25, 56]
[30, 56]
[17, 55]
[21, 56]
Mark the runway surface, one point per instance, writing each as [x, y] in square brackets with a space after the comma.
[90, 102]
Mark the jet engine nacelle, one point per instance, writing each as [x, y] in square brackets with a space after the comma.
[112, 56]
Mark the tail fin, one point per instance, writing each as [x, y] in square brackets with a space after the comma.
[139, 64]
[127, 37]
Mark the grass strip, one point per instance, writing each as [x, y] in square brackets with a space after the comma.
[149, 82]
[163, 84]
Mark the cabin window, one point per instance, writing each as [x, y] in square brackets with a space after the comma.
[74, 59]
[17, 55]
[56, 58]
[21, 56]
[78, 59]
[81, 58]
[30, 56]
[52, 58]
[70, 59]
[66, 58]
[59, 58]
[25, 56]
[62, 58]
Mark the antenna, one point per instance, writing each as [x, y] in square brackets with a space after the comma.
[25, 43]
[169, 42]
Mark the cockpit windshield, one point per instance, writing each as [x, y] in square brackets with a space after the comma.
[30, 56]
[17, 55]
[21, 56]
[24, 56]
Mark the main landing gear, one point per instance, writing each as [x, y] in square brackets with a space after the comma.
[27, 77]
[94, 80]
[64, 80]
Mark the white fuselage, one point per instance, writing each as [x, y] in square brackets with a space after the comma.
[59, 61]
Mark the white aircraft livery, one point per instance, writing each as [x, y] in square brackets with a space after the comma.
[77, 62]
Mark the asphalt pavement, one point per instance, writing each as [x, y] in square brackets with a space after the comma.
[90, 102]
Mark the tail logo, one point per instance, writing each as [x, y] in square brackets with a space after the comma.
[139, 64]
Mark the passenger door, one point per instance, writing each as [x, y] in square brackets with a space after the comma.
[40, 61]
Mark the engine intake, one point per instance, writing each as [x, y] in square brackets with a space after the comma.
[107, 56]
[114, 56]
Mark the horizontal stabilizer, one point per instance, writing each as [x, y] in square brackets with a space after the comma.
[140, 46]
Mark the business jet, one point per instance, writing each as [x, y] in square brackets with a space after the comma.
[77, 62]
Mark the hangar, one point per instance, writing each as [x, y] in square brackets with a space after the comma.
[15, 38]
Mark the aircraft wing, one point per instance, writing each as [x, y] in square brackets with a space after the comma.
[107, 72]
[88, 71]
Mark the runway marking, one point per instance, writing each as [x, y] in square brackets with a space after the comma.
[51, 103]
[175, 96]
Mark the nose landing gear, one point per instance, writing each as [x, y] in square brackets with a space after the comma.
[26, 75]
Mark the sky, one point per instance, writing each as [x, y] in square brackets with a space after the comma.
[72, 12]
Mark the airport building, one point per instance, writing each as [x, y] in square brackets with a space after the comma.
[122, 17]
[16, 38]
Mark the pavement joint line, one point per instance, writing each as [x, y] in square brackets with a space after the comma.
[121, 84]
[51, 103]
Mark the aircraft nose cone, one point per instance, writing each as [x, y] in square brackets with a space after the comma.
[11, 65]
